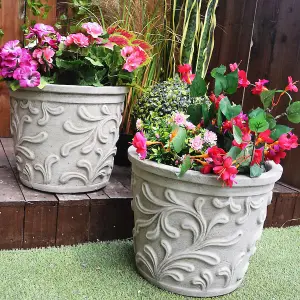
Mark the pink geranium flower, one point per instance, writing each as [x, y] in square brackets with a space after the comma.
[10, 48]
[94, 29]
[28, 78]
[40, 30]
[186, 73]
[210, 137]
[259, 86]
[189, 126]
[140, 143]
[292, 85]
[78, 39]
[179, 118]
[134, 56]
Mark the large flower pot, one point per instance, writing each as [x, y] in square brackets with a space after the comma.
[192, 236]
[65, 136]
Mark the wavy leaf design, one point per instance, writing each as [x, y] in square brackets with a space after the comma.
[233, 207]
[89, 135]
[28, 172]
[46, 168]
[27, 104]
[103, 167]
[49, 110]
[17, 129]
[174, 265]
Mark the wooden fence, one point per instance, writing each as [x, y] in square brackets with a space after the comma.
[263, 34]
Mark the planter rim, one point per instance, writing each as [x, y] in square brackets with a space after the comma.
[270, 177]
[78, 89]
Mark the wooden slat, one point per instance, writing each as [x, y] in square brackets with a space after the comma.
[115, 190]
[123, 175]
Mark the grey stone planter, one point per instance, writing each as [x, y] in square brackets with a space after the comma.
[65, 136]
[192, 236]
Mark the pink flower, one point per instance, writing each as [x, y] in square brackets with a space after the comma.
[210, 137]
[259, 87]
[227, 172]
[186, 73]
[53, 40]
[109, 45]
[94, 29]
[243, 81]
[216, 100]
[196, 143]
[288, 141]
[291, 86]
[28, 78]
[40, 30]
[139, 142]
[157, 135]
[10, 48]
[78, 39]
[6, 72]
[189, 126]
[133, 59]
[179, 118]
[139, 124]
[233, 67]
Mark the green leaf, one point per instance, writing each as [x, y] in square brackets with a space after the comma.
[94, 62]
[218, 71]
[256, 112]
[272, 122]
[237, 133]
[220, 84]
[1, 33]
[179, 140]
[255, 171]
[195, 113]
[205, 114]
[185, 166]
[279, 130]
[219, 118]
[293, 112]
[68, 65]
[14, 85]
[43, 83]
[198, 87]
[266, 98]
[232, 82]
[234, 152]
[228, 110]
[244, 158]
[258, 123]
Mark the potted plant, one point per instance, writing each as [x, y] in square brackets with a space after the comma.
[67, 97]
[198, 213]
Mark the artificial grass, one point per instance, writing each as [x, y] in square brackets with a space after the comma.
[106, 271]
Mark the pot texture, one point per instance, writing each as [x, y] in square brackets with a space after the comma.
[192, 236]
[65, 136]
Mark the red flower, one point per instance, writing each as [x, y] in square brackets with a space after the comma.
[227, 172]
[259, 86]
[257, 156]
[186, 73]
[233, 67]
[206, 169]
[246, 138]
[243, 81]
[227, 125]
[139, 142]
[291, 86]
[288, 141]
[264, 137]
[275, 154]
[216, 100]
[216, 154]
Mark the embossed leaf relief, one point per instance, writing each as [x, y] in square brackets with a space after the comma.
[103, 168]
[48, 110]
[28, 172]
[91, 134]
[17, 129]
[175, 264]
[46, 168]
[249, 203]
[27, 104]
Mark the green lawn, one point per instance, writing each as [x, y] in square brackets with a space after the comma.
[106, 271]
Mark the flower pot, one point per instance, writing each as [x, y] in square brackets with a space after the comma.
[121, 158]
[192, 236]
[65, 136]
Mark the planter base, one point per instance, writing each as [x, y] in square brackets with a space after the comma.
[64, 189]
[190, 292]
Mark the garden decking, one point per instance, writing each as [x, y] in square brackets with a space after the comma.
[29, 218]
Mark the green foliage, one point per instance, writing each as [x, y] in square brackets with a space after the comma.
[228, 110]
[293, 112]
[198, 87]
[271, 120]
[234, 152]
[279, 130]
[163, 99]
[185, 166]
[195, 113]
[178, 141]
[255, 171]
[237, 134]
[225, 83]
[258, 122]
[266, 98]
[1, 33]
